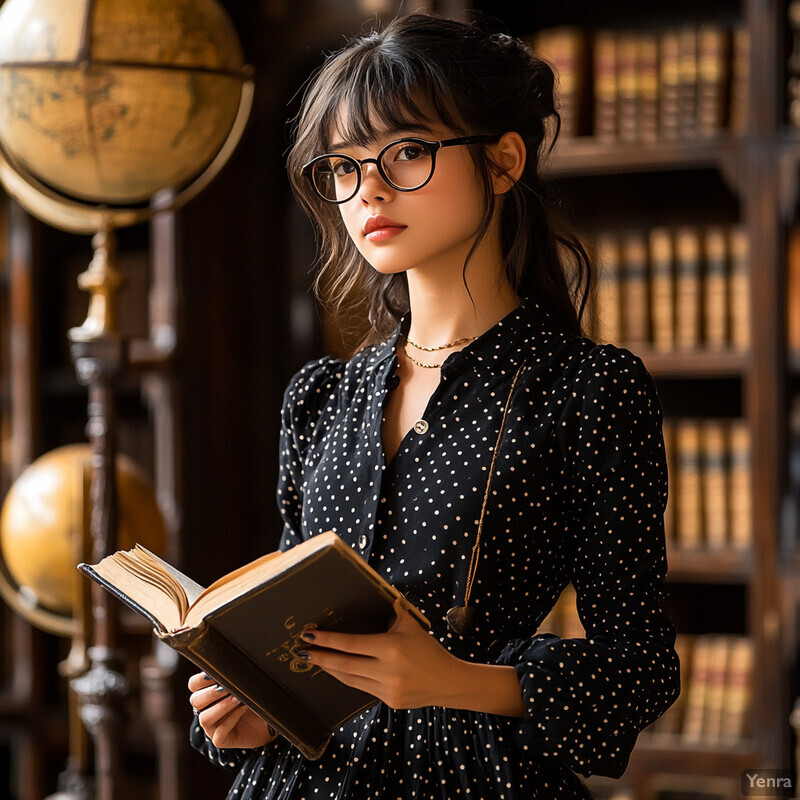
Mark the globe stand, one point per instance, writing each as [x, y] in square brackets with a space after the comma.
[100, 357]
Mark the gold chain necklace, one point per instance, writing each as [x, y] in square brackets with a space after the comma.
[462, 340]
[413, 360]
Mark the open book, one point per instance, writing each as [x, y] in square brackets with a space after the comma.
[244, 630]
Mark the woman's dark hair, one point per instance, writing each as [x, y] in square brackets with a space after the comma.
[424, 67]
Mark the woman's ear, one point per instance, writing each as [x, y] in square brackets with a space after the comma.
[508, 156]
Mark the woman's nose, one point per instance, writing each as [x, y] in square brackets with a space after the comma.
[373, 187]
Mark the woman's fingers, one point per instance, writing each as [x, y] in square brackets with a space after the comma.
[224, 728]
[211, 716]
[199, 681]
[207, 696]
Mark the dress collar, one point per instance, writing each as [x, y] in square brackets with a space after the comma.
[525, 331]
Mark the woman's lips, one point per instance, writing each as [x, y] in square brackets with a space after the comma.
[381, 229]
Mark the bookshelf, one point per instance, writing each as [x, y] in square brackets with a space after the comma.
[743, 174]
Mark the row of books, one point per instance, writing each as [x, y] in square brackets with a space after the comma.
[672, 289]
[714, 706]
[649, 85]
[710, 494]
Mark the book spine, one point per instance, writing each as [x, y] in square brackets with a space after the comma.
[669, 85]
[244, 679]
[662, 286]
[687, 288]
[693, 722]
[740, 82]
[715, 483]
[740, 490]
[715, 299]
[687, 81]
[690, 513]
[740, 288]
[713, 77]
[738, 691]
[604, 59]
[608, 306]
[718, 651]
[627, 86]
[634, 257]
[647, 69]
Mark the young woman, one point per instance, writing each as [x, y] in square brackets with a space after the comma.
[477, 450]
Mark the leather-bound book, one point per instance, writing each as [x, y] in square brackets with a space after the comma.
[715, 289]
[713, 78]
[647, 85]
[604, 63]
[739, 288]
[669, 85]
[687, 87]
[693, 720]
[244, 630]
[740, 81]
[719, 649]
[737, 702]
[608, 306]
[636, 306]
[662, 288]
[565, 48]
[628, 86]
[740, 487]
[687, 288]
[793, 291]
[715, 483]
[689, 484]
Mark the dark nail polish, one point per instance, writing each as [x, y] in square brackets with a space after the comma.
[272, 731]
[304, 654]
[308, 636]
[206, 677]
[219, 688]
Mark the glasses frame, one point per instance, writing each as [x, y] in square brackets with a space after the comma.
[307, 170]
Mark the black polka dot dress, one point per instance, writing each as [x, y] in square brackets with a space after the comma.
[578, 494]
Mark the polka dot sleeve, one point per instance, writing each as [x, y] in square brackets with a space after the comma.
[588, 699]
[303, 401]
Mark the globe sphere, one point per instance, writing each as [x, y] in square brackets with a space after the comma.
[43, 520]
[113, 100]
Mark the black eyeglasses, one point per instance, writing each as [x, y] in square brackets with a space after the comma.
[405, 164]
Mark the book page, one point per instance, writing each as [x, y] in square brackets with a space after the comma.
[191, 589]
[146, 584]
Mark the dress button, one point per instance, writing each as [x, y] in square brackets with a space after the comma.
[420, 426]
[362, 541]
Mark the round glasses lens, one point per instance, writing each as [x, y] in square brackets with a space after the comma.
[336, 177]
[408, 164]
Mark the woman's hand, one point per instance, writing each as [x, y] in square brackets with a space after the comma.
[225, 720]
[405, 667]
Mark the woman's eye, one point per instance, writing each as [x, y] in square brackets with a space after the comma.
[410, 152]
[342, 168]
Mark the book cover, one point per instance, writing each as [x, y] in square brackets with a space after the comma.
[715, 483]
[740, 82]
[627, 86]
[604, 60]
[713, 78]
[696, 700]
[647, 69]
[608, 305]
[738, 691]
[248, 633]
[687, 81]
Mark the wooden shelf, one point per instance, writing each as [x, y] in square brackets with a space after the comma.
[589, 156]
[709, 566]
[693, 363]
[663, 751]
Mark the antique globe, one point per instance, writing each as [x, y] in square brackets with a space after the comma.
[44, 531]
[111, 101]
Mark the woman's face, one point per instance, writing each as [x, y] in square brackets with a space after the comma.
[430, 229]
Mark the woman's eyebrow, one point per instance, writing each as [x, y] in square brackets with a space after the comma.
[384, 134]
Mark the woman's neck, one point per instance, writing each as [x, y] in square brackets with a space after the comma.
[444, 313]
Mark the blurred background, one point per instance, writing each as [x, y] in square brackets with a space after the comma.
[677, 163]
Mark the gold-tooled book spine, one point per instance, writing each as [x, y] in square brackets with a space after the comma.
[662, 289]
